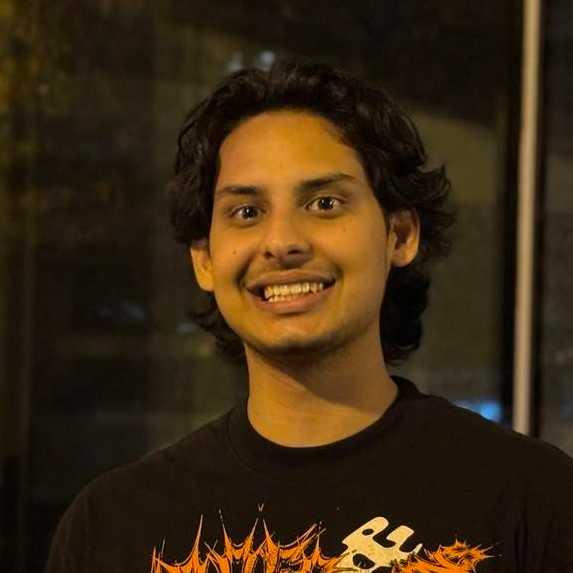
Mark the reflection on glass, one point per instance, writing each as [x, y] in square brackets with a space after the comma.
[490, 409]
[102, 363]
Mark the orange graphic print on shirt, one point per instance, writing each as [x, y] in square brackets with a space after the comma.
[456, 558]
[304, 555]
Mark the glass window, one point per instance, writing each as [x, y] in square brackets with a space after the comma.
[555, 278]
[99, 360]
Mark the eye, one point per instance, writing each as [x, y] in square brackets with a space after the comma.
[248, 208]
[243, 209]
[326, 197]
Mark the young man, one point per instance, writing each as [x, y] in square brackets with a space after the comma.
[301, 195]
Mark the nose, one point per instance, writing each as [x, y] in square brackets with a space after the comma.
[285, 241]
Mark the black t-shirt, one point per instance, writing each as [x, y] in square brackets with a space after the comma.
[429, 487]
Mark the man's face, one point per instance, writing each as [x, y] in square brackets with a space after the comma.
[334, 229]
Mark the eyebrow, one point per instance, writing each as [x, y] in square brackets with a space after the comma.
[304, 187]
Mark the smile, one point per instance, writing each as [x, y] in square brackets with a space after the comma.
[292, 302]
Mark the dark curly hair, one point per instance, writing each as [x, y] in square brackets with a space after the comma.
[391, 152]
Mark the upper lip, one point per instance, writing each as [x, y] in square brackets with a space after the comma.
[257, 287]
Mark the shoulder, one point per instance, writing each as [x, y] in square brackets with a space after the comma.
[134, 498]
[149, 479]
[122, 499]
[463, 434]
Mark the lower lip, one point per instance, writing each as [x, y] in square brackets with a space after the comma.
[302, 303]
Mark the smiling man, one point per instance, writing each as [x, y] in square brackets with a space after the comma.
[310, 220]
[291, 262]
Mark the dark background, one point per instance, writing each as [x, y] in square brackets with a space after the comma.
[99, 362]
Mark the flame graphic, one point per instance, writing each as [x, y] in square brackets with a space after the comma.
[456, 558]
[274, 557]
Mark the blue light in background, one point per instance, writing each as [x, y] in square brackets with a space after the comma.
[490, 409]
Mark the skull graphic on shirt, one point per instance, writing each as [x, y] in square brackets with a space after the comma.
[366, 553]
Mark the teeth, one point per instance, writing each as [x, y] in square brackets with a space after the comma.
[293, 289]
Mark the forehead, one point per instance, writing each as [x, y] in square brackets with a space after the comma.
[285, 143]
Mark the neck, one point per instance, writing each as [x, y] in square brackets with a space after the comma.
[311, 405]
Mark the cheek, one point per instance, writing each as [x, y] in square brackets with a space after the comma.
[366, 262]
[231, 265]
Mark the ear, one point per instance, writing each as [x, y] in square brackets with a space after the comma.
[202, 266]
[403, 237]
